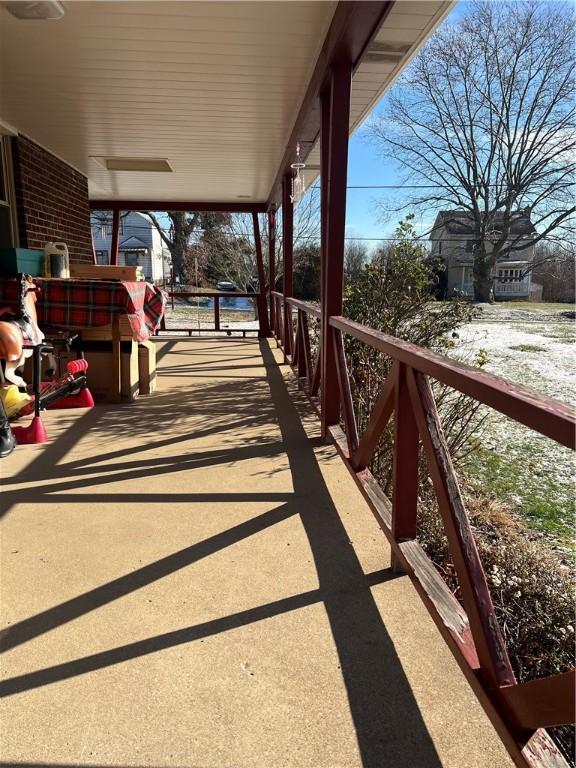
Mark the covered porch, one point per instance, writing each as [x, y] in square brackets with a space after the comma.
[198, 579]
[212, 590]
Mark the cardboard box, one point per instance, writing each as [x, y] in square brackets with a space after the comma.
[147, 367]
[104, 332]
[100, 370]
[106, 272]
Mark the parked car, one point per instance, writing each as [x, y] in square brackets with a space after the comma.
[225, 285]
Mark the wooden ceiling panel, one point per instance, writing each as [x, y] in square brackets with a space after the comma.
[214, 87]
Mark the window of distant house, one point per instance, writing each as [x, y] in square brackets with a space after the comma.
[101, 257]
[510, 275]
[8, 227]
[469, 244]
[133, 258]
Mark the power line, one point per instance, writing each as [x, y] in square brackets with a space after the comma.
[312, 237]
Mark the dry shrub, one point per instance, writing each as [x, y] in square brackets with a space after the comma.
[532, 591]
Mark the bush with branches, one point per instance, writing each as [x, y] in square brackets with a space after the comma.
[531, 589]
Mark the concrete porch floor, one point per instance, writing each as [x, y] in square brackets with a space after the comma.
[194, 581]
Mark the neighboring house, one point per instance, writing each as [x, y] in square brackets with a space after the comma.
[140, 244]
[453, 238]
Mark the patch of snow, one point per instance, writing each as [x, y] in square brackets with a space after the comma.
[544, 359]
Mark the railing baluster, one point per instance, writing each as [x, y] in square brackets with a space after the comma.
[281, 320]
[345, 393]
[541, 703]
[378, 420]
[305, 354]
[486, 632]
[217, 313]
[290, 324]
[315, 386]
[405, 465]
[296, 348]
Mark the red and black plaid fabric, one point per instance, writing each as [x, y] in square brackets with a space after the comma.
[78, 303]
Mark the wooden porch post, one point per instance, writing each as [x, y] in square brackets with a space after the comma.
[335, 114]
[115, 236]
[272, 264]
[287, 248]
[263, 325]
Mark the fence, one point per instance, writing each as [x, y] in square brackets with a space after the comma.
[519, 711]
[217, 297]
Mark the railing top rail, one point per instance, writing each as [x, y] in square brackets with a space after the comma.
[547, 416]
[310, 309]
[211, 294]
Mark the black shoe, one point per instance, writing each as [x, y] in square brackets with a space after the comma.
[7, 439]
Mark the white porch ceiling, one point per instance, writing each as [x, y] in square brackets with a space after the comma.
[213, 87]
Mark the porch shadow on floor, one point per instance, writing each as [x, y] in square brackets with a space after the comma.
[388, 723]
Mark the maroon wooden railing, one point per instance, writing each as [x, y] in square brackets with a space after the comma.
[259, 299]
[519, 711]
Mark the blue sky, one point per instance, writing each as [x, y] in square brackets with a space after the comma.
[367, 167]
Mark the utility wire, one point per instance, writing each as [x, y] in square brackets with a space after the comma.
[302, 237]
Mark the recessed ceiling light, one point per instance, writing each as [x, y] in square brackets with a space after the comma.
[143, 164]
[35, 11]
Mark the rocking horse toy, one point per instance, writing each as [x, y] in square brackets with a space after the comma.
[16, 330]
[19, 332]
[20, 338]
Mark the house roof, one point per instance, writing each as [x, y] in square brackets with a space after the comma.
[461, 223]
[133, 242]
[215, 88]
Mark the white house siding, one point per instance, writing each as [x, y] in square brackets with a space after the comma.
[452, 248]
[137, 236]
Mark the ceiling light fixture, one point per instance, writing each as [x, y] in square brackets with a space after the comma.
[35, 11]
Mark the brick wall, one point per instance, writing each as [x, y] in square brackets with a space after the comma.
[51, 201]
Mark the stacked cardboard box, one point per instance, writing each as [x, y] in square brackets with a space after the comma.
[100, 369]
[147, 367]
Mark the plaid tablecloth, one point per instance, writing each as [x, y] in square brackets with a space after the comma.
[78, 303]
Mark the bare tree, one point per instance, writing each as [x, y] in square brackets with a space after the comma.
[234, 257]
[484, 117]
[306, 225]
[355, 257]
[556, 272]
[177, 236]
[182, 226]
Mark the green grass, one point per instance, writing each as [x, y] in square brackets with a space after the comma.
[526, 487]
[565, 333]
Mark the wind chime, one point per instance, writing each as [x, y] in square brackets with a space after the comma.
[298, 182]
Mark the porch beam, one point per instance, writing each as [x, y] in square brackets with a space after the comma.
[178, 205]
[353, 28]
[287, 256]
[115, 236]
[335, 106]
[272, 264]
[263, 325]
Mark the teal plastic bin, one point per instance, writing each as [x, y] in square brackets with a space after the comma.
[28, 260]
